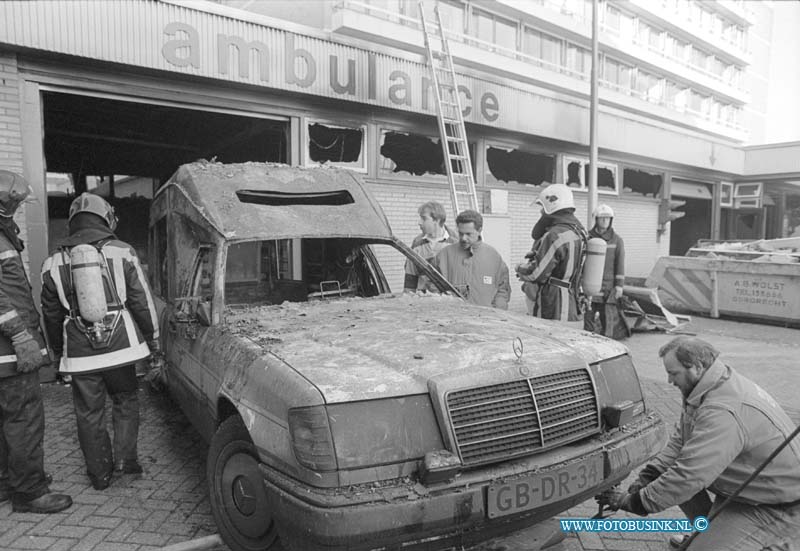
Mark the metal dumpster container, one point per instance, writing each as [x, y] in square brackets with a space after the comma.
[766, 291]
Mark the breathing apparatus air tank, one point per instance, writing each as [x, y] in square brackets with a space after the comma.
[87, 279]
[592, 280]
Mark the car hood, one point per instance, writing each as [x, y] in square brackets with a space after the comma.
[395, 345]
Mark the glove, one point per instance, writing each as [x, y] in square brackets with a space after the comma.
[617, 499]
[156, 376]
[154, 345]
[617, 293]
[29, 354]
[648, 474]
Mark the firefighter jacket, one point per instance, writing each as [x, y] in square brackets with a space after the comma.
[17, 311]
[136, 318]
[556, 262]
[614, 267]
[728, 427]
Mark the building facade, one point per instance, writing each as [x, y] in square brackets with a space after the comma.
[137, 87]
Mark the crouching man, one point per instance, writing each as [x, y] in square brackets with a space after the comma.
[728, 427]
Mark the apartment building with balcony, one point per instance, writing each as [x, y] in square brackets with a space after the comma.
[687, 99]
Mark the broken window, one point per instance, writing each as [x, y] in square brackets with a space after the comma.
[336, 145]
[415, 153]
[297, 270]
[641, 182]
[412, 153]
[576, 174]
[516, 166]
[159, 271]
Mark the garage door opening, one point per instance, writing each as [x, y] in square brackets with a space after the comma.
[125, 150]
[696, 223]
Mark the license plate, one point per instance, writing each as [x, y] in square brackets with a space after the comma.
[544, 488]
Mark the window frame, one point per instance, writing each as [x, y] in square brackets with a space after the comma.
[646, 169]
[159, 269]
[492, 181]
[343, 124]
[723, 186]
[229, 247]
[386, 174]
[584, 162]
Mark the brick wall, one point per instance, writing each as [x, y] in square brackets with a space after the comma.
[10, 130]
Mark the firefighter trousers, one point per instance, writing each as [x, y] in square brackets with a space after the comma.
[89, 397]
[21, 437]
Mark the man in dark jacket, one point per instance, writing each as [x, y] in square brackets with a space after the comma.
[551, 277]
[22, 352]
[474, 267]
[605, 316]
[101, 356]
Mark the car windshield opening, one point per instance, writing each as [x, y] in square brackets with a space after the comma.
[297, 270]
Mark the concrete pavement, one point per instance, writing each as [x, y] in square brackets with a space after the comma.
[168, 504]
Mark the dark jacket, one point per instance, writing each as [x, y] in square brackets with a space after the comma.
[614, 267]
[138, 321]
[17, 311]
[728, 427]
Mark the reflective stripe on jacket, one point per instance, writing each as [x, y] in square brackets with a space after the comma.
[614, 267]
[138, 323]
[728, 427]
[558, 255]
[17, 311]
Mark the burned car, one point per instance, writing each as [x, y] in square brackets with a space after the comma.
[342, 416]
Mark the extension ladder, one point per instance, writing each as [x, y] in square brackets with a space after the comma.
[453, 135]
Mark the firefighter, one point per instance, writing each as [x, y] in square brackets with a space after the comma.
[551, 275]
[100, 356]
[605, 316]
[22, 352]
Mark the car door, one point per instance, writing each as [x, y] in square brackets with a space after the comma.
[192, 380]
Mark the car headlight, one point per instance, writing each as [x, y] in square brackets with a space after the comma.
[364, 434]
[311, 438]
[618, 390]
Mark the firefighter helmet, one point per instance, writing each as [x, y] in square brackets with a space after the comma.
[555, 197]
[603, 210]
[89, 202]
[13, 191]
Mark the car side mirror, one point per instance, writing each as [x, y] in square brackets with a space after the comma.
[193, 309]
[203, 313]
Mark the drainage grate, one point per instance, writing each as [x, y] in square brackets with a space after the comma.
[498, 422]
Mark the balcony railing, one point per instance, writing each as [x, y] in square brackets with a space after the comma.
[372, 10]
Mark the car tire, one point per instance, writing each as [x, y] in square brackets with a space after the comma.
[238, 498]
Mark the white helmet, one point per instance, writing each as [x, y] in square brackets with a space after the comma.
[603, 210]
[89, 202]
[13, 191]
[555, 197]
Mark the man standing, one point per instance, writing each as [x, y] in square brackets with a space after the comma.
[474, 268]
[101, 356]
[22, 352]
[605, 316]
[728, 427]
[551, 277]
[434, 238]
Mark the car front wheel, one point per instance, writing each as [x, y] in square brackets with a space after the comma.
[238, 498]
